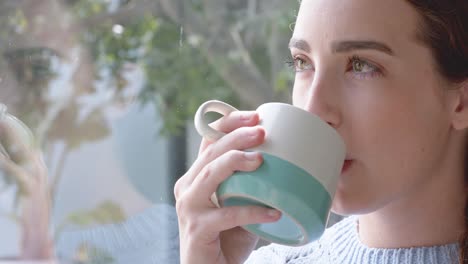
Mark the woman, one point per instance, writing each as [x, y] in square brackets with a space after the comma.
[392, 78]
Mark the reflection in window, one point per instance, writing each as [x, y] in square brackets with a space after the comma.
[108, 89]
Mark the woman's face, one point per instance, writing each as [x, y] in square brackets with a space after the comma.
[361, 68]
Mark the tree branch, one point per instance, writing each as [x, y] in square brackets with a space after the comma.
[242, 75]
[125, 14]
[245, 79]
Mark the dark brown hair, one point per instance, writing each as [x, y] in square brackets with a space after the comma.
[444, 28]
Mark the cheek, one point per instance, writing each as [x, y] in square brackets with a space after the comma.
[397, 140]
[396, 118]
[298, 95]
[302, 84]
[295, 98]
[400, 135]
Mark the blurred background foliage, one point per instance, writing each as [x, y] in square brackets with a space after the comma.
[190, 51]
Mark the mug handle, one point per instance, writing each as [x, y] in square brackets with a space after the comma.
[201, 124]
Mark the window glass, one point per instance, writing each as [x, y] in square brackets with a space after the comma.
[98, 98]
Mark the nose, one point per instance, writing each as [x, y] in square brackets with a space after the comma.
[321, 97]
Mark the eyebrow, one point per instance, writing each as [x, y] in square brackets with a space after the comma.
[299, 44]
[344, 46]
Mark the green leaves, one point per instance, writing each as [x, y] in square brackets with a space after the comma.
[284, 80]
[179, 77]
[89, 254]
[105, 213]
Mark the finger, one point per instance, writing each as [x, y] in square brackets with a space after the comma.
[242, 138]
[210, 176]
[234, 120]
[20, 151]
[14, 143]
[231, 122]
[15, 171]
[226, 124]
[221, 219]
[220, 169]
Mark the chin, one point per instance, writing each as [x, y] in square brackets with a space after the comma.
[340, 210]
[351, 206]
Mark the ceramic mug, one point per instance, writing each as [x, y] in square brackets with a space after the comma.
[302, 161]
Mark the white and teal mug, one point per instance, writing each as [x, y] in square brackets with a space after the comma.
[302, 161]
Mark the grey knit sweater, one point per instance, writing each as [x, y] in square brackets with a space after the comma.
[340, 244]
[152, 238]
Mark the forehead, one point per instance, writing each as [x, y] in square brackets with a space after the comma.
[390, 21]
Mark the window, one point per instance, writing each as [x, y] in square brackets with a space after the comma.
[107, 90]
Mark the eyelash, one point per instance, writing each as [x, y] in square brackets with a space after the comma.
[375, 70]
[292, 63]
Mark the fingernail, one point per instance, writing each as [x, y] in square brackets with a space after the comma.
[251, 155]
[273, 213]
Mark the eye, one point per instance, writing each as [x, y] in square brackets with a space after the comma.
[300, 64]
[363, 68]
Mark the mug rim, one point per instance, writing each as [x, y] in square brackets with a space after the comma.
[315, 117]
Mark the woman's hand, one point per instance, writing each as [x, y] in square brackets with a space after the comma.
[22, 164]
[209, 234]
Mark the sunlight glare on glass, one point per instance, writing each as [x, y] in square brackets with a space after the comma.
[117, 29]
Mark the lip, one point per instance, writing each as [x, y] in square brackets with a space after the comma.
[346, 165]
